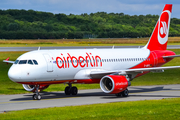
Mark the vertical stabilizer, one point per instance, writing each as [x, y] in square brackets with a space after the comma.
[159, 37]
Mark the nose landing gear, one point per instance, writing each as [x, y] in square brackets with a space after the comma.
[37, 96]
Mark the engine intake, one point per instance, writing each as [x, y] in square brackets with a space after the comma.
[114, 84]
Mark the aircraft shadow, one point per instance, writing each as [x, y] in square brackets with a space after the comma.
[146, 90]
[59, 95]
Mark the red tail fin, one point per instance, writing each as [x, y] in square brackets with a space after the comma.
[159, 37]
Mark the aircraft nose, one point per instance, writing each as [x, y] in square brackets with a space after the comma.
[14, 74]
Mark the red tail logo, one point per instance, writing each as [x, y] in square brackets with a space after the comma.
[159, 37]
[163, 27]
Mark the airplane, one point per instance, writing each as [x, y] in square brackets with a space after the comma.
[113, 69]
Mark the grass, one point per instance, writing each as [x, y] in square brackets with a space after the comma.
[82, 42]
[165, 109]
[9, 87]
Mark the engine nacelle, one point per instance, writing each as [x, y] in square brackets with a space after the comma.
[31, 88]
[114, 84]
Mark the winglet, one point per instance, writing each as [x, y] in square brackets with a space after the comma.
[7, 59]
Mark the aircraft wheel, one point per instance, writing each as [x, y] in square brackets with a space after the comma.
[118, 94]
[74, 90]
[36, 97]
[125, 93]
[67, 90]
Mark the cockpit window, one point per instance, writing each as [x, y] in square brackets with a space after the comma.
[30, 62]
[22, 61]
[16, 62]
[35, 62]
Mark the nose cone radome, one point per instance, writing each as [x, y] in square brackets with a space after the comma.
[14, 74]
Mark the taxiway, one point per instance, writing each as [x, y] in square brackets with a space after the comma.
[79, 47]
[84, 97]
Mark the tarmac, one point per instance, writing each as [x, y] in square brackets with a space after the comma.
[86, 97]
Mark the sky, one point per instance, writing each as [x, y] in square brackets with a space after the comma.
[130, 7]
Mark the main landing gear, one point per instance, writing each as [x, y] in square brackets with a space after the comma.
[37, 96]
[124, 93]
[69, 90]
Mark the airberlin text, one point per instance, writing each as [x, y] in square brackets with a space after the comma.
[88, 61]
[122, 83]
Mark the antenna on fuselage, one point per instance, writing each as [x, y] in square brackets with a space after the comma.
[39, 48]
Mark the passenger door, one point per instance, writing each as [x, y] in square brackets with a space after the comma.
[49, 62]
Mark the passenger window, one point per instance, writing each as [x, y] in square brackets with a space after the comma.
[30, 62]
[35, 62]
[16, 62]
[22, 61]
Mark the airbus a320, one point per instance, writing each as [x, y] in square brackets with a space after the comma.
[114, 68]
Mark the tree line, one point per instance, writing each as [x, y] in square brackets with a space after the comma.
[30, 24]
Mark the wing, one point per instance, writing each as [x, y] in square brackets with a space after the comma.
[7, 61]
[172, 56]
[131, 71]
[152, 69]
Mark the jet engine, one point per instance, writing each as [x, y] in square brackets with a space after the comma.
[32, 88]
[114, 84]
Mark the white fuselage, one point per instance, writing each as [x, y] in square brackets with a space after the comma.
[56, 65]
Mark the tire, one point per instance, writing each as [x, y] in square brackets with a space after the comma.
[74, 90]
[118, 94]
[67, 90]
[36, 97]
[125, 93]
